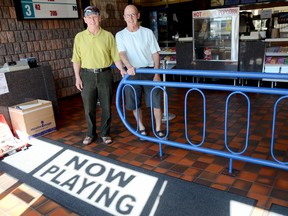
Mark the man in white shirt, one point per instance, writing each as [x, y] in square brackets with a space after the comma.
[138, 48]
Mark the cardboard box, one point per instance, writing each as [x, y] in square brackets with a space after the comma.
[32, 119]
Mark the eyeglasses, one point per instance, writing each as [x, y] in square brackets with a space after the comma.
[91, 10]
[130, 15]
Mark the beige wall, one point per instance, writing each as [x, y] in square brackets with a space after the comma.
[51, 41]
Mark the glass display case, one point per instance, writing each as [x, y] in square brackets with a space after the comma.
[275, 57]
[168, 56]
[216, 34]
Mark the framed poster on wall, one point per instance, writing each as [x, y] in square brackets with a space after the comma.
[46, 9]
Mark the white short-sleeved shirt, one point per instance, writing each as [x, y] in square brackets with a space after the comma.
[139, 46]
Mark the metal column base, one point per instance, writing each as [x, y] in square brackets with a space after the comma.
[170, 117]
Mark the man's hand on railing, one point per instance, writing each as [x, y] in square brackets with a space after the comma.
[131, 71]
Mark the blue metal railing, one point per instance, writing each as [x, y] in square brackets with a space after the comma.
[235, 90]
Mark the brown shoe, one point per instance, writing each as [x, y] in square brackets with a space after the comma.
[88, 140]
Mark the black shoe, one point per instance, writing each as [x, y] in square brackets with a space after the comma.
[143, 133]
[161, 134]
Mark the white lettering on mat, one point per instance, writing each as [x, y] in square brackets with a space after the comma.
[112, 188]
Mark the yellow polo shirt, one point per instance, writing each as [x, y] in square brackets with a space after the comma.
[95, 51]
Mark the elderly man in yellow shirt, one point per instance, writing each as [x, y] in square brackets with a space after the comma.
[94, 52]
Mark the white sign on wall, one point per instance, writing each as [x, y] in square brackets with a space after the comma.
[46, 9]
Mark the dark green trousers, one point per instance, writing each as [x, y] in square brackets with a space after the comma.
[97, 85]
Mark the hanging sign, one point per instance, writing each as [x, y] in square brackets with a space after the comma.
[266, 14]
[46, 9]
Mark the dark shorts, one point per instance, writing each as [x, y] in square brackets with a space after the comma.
[139, 90]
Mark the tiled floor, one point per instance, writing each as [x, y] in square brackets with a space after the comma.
[266, 185]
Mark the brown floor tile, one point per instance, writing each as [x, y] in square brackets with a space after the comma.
[206, 159]
[47, 207]
[166, 165]
[154, 162]
[276, 201]
[188, 178]
[142, 158]
[149, 152]
[203, 182]
[281, 184]
[173, 159]
[145, 166]
[262, 200]
[193, 172]
[160, 170]
[237, 191]
[247, 176]
[242, 185]
[173, 174]
[225, 180]
[180, 152]
[60, 212]
[40, 201]
[200, 165]
[219, 187]
[279, 194]
[208, 176]
[214, 168]
[23, 195]
[260, 189]
[266, 171]
[31, 212]
[265, 180]
[120, 152]
[179, 168]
